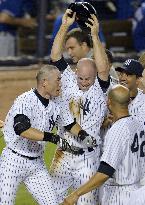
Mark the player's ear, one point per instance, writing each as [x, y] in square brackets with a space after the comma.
[84, 44]
[138, 80]
[108, 102]
[44, 82]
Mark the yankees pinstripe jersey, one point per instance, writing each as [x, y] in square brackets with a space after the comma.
[137, 197]
[124, 150]
[30, 105]
[137, 106]
[88, 108]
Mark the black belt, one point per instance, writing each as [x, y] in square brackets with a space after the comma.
[78, 151]
[30, 158]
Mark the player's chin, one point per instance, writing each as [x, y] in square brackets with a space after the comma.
[74, 60]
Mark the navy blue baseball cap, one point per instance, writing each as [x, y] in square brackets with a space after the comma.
[132, 67]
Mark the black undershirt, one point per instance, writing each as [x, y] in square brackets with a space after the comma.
[43, 100]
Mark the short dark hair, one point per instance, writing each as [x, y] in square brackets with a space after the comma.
[80, 36]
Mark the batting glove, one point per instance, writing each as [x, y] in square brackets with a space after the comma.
[86, 139]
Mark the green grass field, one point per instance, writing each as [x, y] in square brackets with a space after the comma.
[23, 197]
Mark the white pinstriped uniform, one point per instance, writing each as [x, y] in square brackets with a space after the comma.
[14, 168]
[89, 109]
[137, 197]
[137, 106]
[137, 109]
[124, 151]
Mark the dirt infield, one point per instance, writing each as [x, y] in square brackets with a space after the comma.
[12, 84]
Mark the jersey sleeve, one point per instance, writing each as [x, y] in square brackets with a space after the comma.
[60, 64]
[104, 84]
[22, 106]
[114, 146]
[68, 77]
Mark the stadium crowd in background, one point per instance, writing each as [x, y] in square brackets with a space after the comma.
[13, 15]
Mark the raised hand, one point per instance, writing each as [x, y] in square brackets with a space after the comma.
[67, 20]
[93, 24]
[86, 139]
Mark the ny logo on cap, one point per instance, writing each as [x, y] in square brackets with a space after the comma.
[127, 62]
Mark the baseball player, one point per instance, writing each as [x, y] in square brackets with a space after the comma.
[129, 75]
[27, 126]
[83, 103]
[121, 156]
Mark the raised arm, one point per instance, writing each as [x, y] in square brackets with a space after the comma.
[58, 44]
[98, 50]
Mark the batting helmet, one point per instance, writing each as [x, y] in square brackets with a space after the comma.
[83, 12]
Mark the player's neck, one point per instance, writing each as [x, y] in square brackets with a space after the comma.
[120, 115]
[133, 93]
[42, 93]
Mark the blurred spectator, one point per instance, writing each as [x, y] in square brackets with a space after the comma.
[12, 15]
[139, 28]
[126, 8]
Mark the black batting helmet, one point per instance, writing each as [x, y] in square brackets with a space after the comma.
[83, 12]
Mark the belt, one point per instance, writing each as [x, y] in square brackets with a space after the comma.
[30, 158]
[78, 151]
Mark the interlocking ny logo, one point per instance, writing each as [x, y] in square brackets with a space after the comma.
[51, 123]
[85, 107]
[127, 62]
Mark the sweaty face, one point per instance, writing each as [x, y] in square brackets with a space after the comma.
[53, 84]
[129, 81]
[85, 77]
[74, 49]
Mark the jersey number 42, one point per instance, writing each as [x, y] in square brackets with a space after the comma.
[135, 147]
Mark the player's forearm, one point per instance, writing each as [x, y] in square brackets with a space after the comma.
[58, 44]
[100, 58]
[75, 129]
[36, 135]
[33, 134]
[95, 181]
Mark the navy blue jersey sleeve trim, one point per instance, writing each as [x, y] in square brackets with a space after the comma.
[106, 169]
[104, 84]
[60, 64]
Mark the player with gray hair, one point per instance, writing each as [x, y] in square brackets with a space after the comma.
[27, 128]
